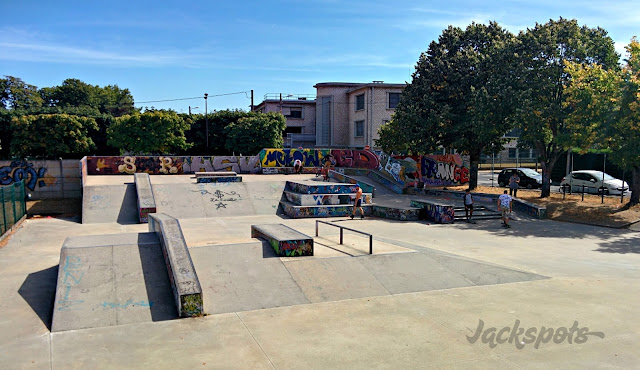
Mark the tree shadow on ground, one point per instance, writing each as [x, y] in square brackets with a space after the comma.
[39, 291]
[624, 246]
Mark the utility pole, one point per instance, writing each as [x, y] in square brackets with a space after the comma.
[252, 100]
[280, 103]
[206, 119]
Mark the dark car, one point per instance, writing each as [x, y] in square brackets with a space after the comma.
[529, 178]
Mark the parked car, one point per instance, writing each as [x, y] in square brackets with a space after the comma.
[593, 182]
[529, 178]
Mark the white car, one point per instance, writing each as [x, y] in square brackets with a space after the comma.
[593, 183]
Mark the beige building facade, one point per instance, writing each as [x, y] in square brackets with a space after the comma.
[350, 114]
[300, 113]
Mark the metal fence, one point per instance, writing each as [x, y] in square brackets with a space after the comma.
[14, 206]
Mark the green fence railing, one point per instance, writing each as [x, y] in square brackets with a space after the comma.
[14, 206]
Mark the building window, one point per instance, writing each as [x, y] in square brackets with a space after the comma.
[394, 98]
[360, 102]
[359, 129]
[293, 113]
[512, 152]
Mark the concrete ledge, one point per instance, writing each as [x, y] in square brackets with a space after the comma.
[519, 205]
[146, 202]
[184, 280]
[341, 210]
[216, 174]
[325, 199]
[287, 170]
[314, 188]
[286, 242]
[212, 179]
[367, 188]
[435, 211]
[397, 213]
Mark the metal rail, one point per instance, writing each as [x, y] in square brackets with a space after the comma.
[347, 228]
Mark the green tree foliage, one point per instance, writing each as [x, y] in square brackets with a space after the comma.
[151, 132]
[256, 131]
[16, 94]
[51, 135]
[542, 77]
[604, 111]
[461, 95]
[75, 93]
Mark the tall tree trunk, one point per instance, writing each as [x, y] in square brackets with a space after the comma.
[546, 175]
[474, 158]
[635, 188]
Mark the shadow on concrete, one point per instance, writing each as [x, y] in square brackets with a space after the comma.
[630, 245]
[39, 291]
[267, 250]
[129, 208]
[156, 280]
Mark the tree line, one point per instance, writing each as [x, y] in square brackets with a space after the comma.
[559, 84]
[76, 119]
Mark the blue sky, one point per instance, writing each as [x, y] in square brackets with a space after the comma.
[167, 51]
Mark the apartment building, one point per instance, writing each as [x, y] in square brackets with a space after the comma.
[300, 113]
[349, 114]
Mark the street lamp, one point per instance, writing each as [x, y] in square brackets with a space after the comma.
[190, 108]
[206, 118]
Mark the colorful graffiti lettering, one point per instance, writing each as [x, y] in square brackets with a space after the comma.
[355, 158]
[166, 165]
[436, 172]
[22, 170]
[402, 214]
[285, 157]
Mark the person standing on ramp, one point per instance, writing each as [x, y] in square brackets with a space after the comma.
[468, 206]
[358, 203]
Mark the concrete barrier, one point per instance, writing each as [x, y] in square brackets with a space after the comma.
[397, 212]
[215, 179]
[286, 242]
[146, 202]
[435, 211]
[184, 280]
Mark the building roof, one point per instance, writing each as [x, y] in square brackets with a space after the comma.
[359, 85]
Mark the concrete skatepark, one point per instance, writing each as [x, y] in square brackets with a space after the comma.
[412, 303]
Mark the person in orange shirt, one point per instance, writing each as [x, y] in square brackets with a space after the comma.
[358, 203]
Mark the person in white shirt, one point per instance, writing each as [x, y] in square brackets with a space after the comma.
[504, 207]
[468, 205]
[297, 166]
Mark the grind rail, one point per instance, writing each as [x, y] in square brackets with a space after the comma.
[342, 228]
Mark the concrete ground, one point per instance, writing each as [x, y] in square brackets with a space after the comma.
[388, 313]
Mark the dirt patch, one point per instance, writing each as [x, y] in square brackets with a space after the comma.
[573, 209]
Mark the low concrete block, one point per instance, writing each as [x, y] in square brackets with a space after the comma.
[216, 174]
[340, 210]
[146, 202]
[201, 180]
[325, 199]
[184, 280]
[397, 213]
[286, 242]
[436, 211]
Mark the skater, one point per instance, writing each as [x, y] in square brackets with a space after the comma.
[297, 166]
[468, 206]
[358, 203]
[504, 207]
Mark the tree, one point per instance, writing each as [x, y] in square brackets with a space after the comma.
[76, 93]
[51, 135]
[542, 76]
[604, 111]
[252, 133]
[460, 96]
[16, 94]
[151, 132]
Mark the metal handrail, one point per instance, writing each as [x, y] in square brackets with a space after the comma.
[347, 228]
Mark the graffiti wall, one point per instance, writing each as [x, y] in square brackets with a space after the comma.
[402, 214]
[44, 179]
[443, 170]
[170, 165]
[314, 157]
[440, 213]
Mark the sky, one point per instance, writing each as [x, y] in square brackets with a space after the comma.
[175, 50]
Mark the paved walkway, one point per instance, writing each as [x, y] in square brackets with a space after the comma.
[593, 279]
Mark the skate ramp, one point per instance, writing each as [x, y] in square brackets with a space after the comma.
[110, 203]
[107, 280]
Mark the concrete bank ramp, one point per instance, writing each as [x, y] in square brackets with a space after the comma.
[107, 280]
[110, 203]
[208, 200]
